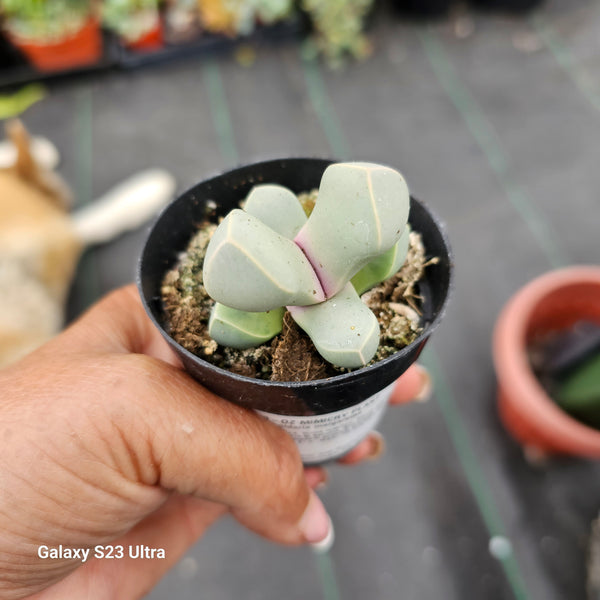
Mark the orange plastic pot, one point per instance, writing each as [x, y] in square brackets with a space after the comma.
[148, 41]
[82, 48]
[551, 302]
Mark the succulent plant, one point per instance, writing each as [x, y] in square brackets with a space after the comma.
[42, 20]
[360, 213]
[338, 29]
[270, 255]
[130, 19]
[249, 266]
[384, 266]
[238, 17]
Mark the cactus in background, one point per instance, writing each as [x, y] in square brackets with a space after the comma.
[356, 231]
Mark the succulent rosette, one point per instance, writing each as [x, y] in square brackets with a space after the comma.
[269, 256]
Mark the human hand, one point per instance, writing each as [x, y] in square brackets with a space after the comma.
[108, 442]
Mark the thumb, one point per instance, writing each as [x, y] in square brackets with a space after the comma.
[179, 436]
[216, 450]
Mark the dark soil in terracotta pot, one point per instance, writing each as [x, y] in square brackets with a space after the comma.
[567, 365]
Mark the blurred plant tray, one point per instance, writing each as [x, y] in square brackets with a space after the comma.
[290, 29]
[22, 73]
[115, 55]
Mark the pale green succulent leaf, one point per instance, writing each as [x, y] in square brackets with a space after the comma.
[382, 267]
[344, 331]
[277, 207]
[250, 267]
[240, 329]
[360, 213]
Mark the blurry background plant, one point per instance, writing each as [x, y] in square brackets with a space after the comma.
[337, 24]
[133, 20]
[338, 29]
[238, 17]
[43, 20]
[53, 35]
[182, 21]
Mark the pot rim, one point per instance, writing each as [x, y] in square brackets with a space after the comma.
[342, 377]
[511, 363]
[90, 23]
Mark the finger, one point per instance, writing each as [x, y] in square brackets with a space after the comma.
[182, 437]
[372, 447]
[119, 323]
[171, 432]
[174, 527]
[316, 477]
[414, 384]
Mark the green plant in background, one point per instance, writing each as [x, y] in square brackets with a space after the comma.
[579, 392]
[271, 255]
[44, 20]
[129, 19]
[239, 17]
[338, 29]
[266, 11]
[271, 11]
[337, 24]
[15, 103]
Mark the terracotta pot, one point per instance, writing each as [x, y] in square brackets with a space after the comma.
[148, 41]
[82, 48]
[551, 302]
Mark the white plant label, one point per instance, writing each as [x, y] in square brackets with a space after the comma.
[323, 437]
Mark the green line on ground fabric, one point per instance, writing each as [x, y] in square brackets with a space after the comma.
[485, 136]
[87, 283]
[326, 113]
[334, 134]
[585, 83]
[327, 573]
[472, 468]
[220, 112]
[324, 109]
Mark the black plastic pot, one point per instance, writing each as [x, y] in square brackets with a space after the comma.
[516, 7]
[423, 9]
[170, 235]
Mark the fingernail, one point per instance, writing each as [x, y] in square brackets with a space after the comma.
[316, 477]
[315, 524]
[326, 544]
[426, 388]
[377, 445]
[323, 483]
